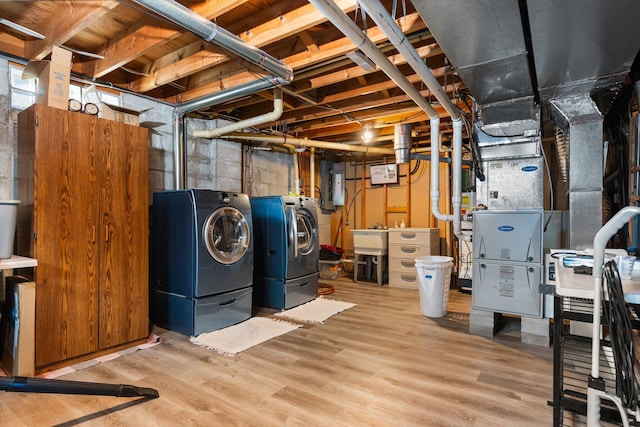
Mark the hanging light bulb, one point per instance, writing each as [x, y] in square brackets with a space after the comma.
[367, 135]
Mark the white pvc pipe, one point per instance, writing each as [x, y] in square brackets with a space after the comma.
[435, 171]
[243, 124]
[312, 171]
[456, 197]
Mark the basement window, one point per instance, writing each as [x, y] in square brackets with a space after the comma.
[22, 93]
[92, 94]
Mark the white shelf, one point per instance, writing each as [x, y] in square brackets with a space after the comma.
[569, 284]
[17, 262]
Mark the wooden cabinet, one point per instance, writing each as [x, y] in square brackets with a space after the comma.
[83, 183]
[405, 245]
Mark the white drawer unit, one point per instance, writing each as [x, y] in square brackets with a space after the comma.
[415, 236]
[405, 245]
[404, 280]
[412, 251]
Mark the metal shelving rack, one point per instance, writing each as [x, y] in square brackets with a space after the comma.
[581, 363]
[572, 365]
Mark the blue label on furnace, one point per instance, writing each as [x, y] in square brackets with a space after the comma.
[505, 228]
[529, 168]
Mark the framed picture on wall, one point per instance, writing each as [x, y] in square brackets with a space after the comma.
[383, 174]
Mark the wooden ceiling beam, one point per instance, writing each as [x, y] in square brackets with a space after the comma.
[12, 44]
[67, 20]
[309, 42]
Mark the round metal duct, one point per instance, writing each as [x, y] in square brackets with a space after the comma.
[402, 142]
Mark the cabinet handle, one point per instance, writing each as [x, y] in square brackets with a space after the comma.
[105, 216]
[93, 233]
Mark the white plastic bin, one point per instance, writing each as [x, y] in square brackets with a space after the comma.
[8, 216]
[434, 274]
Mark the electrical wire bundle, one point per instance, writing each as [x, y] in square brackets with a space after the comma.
[617, 316]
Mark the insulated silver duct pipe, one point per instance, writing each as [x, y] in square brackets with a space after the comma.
[211, 32]
[281, 74]
[383, 19]
[233, 92]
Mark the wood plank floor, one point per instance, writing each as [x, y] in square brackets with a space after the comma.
[380, 363]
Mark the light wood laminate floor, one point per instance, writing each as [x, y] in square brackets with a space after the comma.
[380, 363]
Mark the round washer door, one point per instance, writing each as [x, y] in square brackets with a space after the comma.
[226, 235]
[306, 232]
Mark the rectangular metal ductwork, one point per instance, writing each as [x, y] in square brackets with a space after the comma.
[485, 43]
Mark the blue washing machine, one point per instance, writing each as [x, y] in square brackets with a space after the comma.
[287, 249]
[202, 260]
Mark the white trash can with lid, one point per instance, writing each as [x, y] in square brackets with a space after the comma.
[434, 273]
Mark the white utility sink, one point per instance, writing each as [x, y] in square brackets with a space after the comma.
[370, 241]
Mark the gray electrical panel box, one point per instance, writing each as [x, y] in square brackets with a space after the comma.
[508, 261]
[332, 178]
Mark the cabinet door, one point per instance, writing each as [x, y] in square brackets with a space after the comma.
[64, 217]
[124, 212]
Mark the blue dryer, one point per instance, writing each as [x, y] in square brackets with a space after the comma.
[202, 260]
[287, 249]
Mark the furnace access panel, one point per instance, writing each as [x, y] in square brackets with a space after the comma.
[507, 261]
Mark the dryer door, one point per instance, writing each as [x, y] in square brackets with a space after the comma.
[303, 243]
[305, 232]
[226, 235]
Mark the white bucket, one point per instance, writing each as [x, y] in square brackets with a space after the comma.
[8, 215]
[434, 273]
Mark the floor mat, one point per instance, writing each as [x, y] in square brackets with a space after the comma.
[237, 338]
[316, 311]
